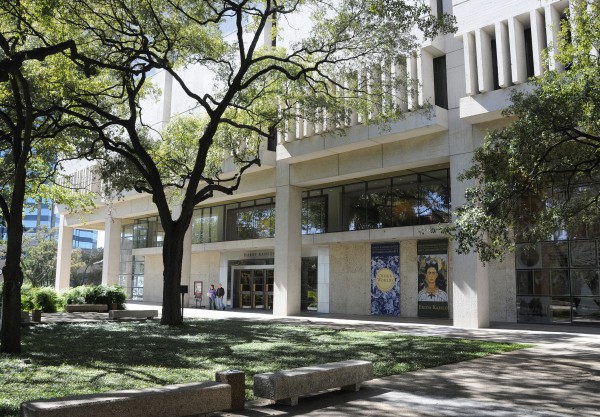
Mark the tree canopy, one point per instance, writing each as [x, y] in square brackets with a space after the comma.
[251, 88]
[34, 136]
[538, 178]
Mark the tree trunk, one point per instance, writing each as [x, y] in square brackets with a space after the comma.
[10, 335]
[172, 267]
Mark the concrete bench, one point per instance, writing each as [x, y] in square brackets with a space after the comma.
[82, 308]
[132, 314]
[286, 386]
[169, 401]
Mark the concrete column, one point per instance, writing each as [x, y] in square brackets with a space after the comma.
[470, 64]
[401, 93]
[167, 99]
[426, 85]
[288, 244]
[470, 288]
[323, 280]
[309, 125]
[388, 92]
[352, 82]
[552, 29]
[363, 85]
[375, 88]
[223, 273]
[291, 124]
[413, 82]
[63, 257]
[538, 40]
[518, 61]
[503, 55]
[111, 260]
[409, 278]
[471, 306]
[485, 75]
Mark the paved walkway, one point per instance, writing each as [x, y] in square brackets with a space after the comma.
[559, 376]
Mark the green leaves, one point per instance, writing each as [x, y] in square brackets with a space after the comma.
[539, 176]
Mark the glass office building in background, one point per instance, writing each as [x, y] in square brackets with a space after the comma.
[44, 214]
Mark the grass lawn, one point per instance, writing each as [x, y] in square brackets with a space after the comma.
[65, 359]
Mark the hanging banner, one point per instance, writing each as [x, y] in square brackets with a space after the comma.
[385, 279]
[432, 258]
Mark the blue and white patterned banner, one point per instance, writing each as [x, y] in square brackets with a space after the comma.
[385, 279]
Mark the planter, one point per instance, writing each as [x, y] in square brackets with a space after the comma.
[36, 315]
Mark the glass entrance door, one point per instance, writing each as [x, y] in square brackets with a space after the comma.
[254, 288]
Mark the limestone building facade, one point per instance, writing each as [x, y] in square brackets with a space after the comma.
[341, 224]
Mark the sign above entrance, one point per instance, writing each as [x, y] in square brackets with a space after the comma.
[260, 254]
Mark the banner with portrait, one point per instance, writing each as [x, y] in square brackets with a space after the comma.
[385, 279]
[432, 259]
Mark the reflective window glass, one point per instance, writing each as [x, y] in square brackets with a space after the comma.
[434, 191]
[405, 200]
[560, 281]
[354, 206]
[584, 282]
[314, 215]
[379, 209]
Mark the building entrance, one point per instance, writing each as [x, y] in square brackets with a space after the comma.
[253, 287]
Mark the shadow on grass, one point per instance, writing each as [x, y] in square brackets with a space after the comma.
[79, 358]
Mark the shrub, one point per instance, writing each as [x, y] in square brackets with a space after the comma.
[96, 294]
[74, 295]
[116, 295]
[46, 299]
[27, 298]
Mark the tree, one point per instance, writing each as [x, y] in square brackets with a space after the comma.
[540, 175]
[39, 257]
[256, 89]
[82, 267]
[31, 133]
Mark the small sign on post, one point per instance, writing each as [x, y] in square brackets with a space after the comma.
[183, 290]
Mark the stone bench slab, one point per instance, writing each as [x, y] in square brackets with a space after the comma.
[180, 400]
[125, 314]
[286, 386]
[81, 308]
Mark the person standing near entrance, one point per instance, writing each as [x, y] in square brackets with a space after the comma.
[220, 295]
[212, 294]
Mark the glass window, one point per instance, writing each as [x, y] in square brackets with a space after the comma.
[434, 192]
[555, 254]
[440, 83]
[251, 221]
[309, 284]
[525, 281]
[586, 309]
[379, 209]
[333, 197]
[560, 309]
[583, 253]
[314, 215]
[585, 282]
[405, 200]
[560, 282]
[534, 309]
[354, 206]
[140, 234]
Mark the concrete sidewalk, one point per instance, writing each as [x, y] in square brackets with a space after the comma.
[559, 376]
